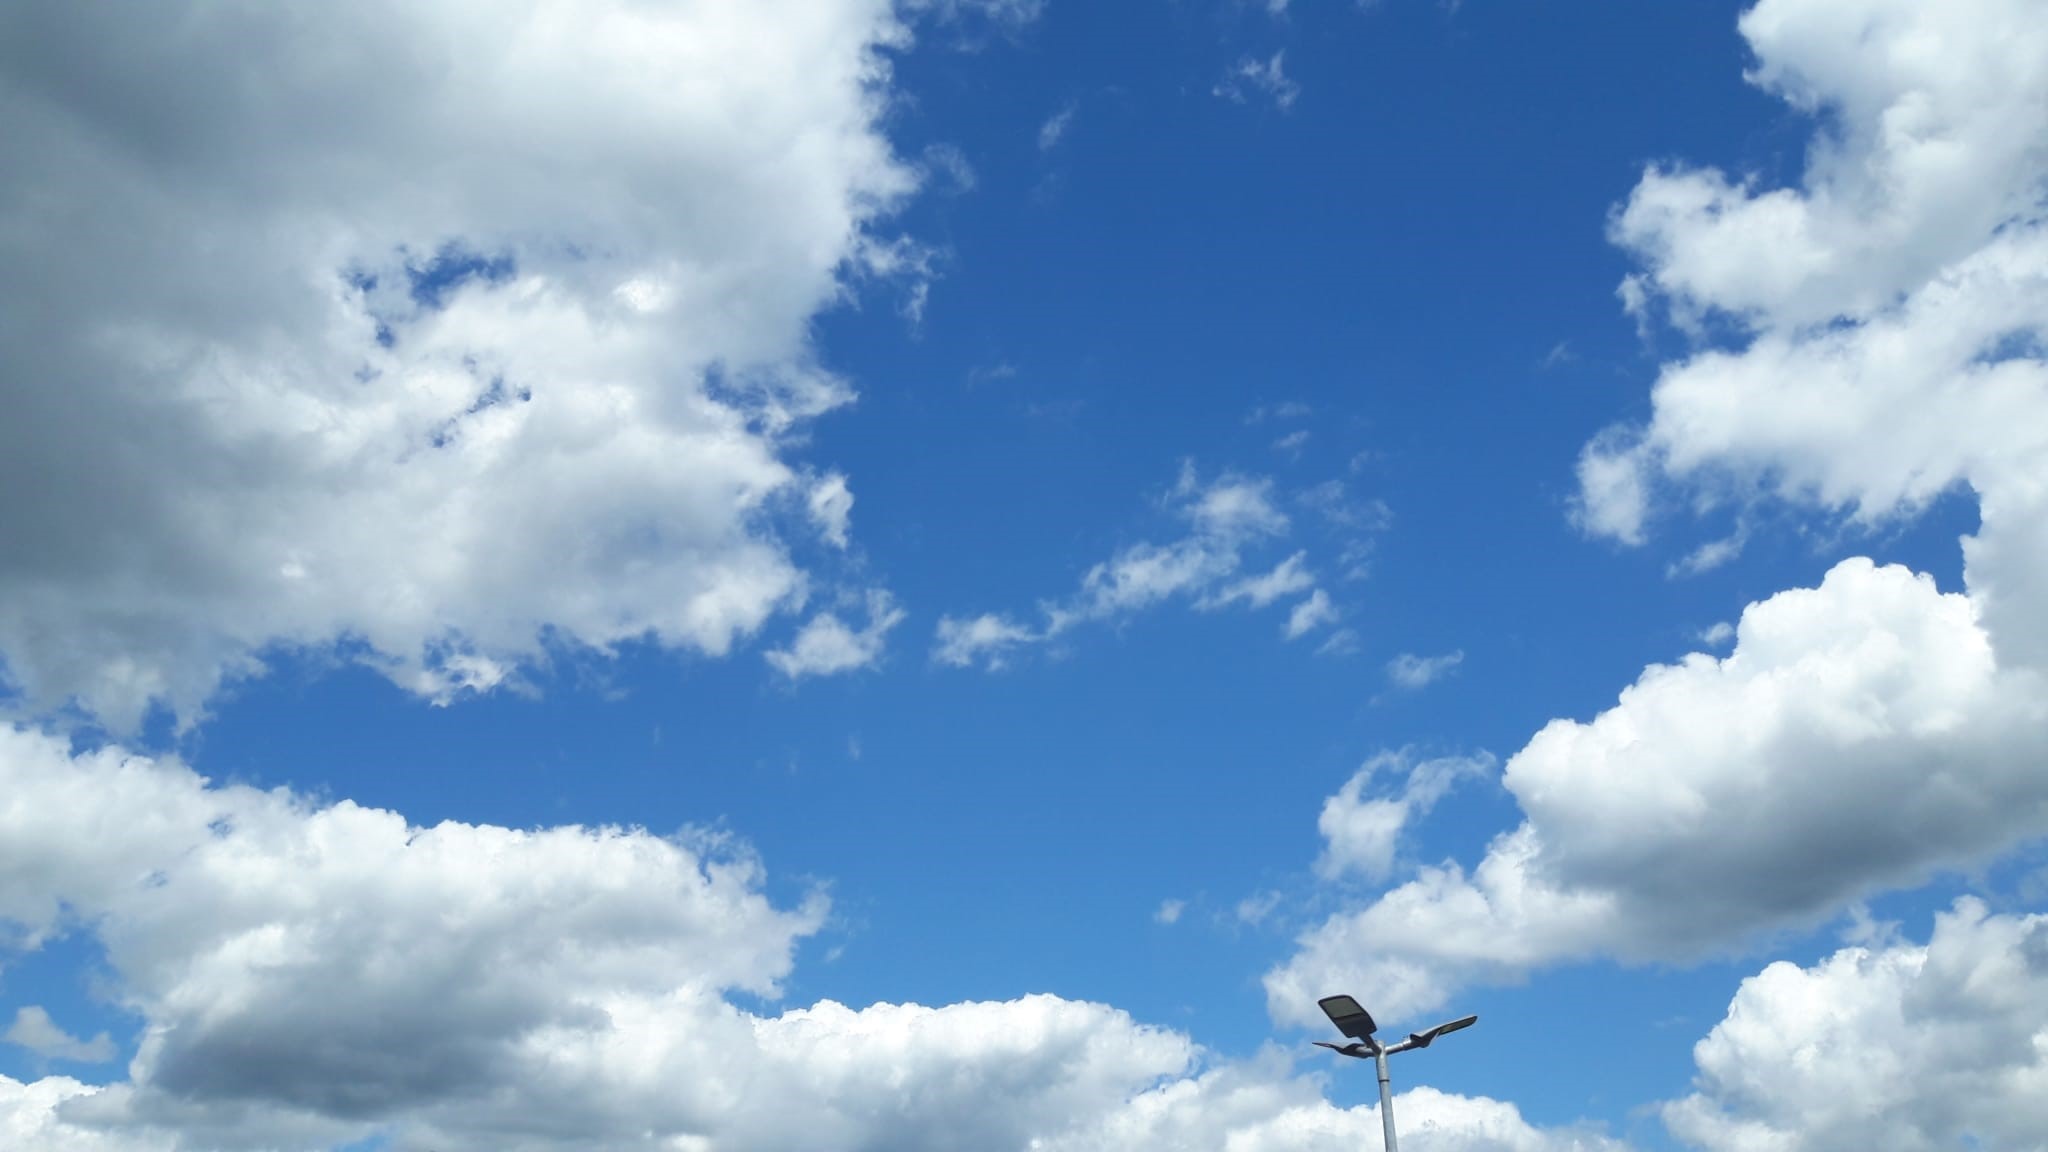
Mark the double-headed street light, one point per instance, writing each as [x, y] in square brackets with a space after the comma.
[1354, 1021]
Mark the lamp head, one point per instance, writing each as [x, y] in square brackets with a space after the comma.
[1349, 1016]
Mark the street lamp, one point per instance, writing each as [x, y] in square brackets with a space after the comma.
[1354, 1021]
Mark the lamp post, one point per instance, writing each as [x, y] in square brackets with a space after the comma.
[1354, 1021]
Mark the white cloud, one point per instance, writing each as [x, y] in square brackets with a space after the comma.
[30, 1117]
[986, 639]
[1253, 75]
[1879, 740]
[1929, 144]
[1709, 556]
[1002, 370]
[1419, 943]
[34, 1030]
[1342, 642]
[949, 160]
[1232, 508]
[1863, 734]
[284, 371]
[1036, 1074]
[1055, 127]
[1614, 493]
[831, 505]
[1361, 833]
[1355, 521]
[1413, 672]
[1009, 15]
[1254, 1107]
[1285, 410]
[1254, 909]
[1289, 577]
[827, 646]
[1894, 1047]
[1310, 615]
[1225, 516]
[1226, 519]
[437, 965]
[1903, 275]
[1170, 911]
[475, 988]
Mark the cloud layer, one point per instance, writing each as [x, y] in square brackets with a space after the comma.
[310, 975]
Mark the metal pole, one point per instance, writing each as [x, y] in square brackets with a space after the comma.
[1379, 1056]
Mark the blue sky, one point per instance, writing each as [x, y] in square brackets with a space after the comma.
[562, 553]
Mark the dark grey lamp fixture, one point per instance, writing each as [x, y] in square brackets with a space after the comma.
[1355, 1022]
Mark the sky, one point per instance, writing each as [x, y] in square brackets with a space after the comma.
[930, 574]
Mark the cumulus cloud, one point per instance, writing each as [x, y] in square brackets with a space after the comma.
[1903, 275]
[1929, 147]
[1252, 1108]
[918, 1078]
[1227, 519]
[1889, 314]
[435, 966]
[1863, 730]
[313, 975]
[30, 1117]
[1901, 1047]
[423, 328]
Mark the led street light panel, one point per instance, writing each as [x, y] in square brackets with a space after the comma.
[1349, 1016]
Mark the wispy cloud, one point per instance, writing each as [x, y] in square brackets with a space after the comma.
[1342, 642]
[987, 639]
[1226, 518]
[1254, 910]
[1289, 577]
[1055, 127]
[990, 373]
[1285, 410]
[1267, 77]
[1412, 672]
[1709, 556]
[949, 162]
[1310, 615]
